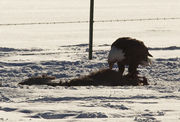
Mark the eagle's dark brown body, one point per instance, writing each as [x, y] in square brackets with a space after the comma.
[128, 51]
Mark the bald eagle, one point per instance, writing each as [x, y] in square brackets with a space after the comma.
[128, 51]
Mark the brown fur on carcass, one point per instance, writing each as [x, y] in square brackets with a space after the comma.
[38, 80]
[106, 77]
[103, 77]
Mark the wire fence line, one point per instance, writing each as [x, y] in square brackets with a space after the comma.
[96, 21]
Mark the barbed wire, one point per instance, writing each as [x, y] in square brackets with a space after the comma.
[96, 21]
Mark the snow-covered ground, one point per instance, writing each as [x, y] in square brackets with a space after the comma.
[61, 50]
